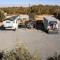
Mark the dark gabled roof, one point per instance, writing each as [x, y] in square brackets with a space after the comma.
[12, 18]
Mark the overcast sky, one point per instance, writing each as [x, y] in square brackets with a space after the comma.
[27, 2]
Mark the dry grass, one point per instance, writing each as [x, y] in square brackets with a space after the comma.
[40, 17]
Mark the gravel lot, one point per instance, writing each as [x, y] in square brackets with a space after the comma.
[35, 40]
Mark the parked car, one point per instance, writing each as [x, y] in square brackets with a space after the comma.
[11, 23]
[50, 24]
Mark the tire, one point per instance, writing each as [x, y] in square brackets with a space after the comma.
[2, 27]
[47, 31]
[14, 29]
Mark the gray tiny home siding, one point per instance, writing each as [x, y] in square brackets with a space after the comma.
[45, 22]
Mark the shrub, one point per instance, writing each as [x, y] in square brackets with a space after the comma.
[55, 57]
[2, 16]
[19, 53]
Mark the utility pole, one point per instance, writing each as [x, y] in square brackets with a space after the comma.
[29, 8]
[29, 12]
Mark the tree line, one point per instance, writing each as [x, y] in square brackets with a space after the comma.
[31, 10]
[35, 9]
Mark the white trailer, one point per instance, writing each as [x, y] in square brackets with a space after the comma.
[50, 24]
[23, 19]
[23, 16]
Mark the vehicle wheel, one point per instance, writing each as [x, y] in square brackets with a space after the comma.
[14, 29]
[47, 31]
[2, 27]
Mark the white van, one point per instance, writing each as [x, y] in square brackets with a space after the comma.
[11, 23]
[50, 24]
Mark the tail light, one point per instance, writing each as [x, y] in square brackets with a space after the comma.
[49, 27]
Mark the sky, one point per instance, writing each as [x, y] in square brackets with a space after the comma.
[27, 2]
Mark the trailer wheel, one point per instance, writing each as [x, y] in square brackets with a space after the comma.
[47, 31]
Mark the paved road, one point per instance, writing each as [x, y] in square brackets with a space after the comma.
[35, 40]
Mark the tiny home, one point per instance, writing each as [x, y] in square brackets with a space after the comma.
[50, 24]
[23, 19]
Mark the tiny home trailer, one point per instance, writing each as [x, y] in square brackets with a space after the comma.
[50, 24]
[24, 18]
[11, 23]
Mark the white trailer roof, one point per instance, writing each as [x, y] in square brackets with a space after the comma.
[24, 16]
[50, 18]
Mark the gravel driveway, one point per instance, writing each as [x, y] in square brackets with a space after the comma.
[35, 40]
